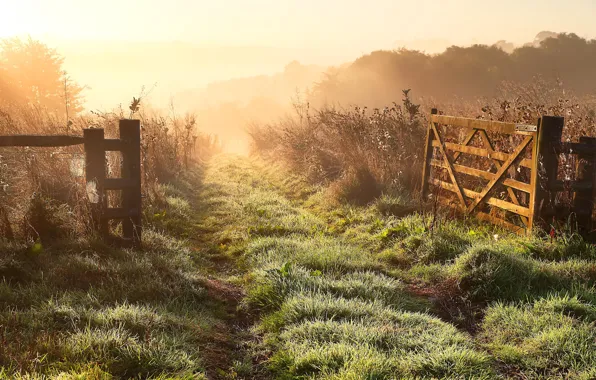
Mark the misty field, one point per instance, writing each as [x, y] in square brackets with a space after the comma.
[312, 257]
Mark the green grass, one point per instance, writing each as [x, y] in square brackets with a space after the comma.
[359, 292]
[82, 309]
[326, 290]
[553, 337]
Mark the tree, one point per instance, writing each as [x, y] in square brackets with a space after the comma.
[543, 36]
[34, 71]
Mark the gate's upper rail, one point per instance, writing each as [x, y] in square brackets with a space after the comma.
[485, 125]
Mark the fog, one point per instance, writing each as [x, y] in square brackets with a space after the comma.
[227, 87]
[231, 87]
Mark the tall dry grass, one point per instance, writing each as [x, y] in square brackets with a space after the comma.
[42, 190]
[362, 152]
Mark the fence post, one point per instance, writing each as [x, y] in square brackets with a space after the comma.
[545, 168]
[428, 154]
[130, 134]
[583, 203]
[95, 172]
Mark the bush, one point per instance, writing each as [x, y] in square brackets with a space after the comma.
[357, 146]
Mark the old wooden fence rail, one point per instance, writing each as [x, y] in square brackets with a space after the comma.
[515, 189]
[96, 146]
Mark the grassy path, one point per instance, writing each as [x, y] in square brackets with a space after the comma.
[329, 306]
[248, 273]
[340, 292]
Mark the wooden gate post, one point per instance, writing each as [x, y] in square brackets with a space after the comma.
[545, 167]
[428, 154]
[95, 172]
[583, 201]
[130, 134]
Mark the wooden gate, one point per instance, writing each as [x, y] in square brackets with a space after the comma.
[96, 146]
[506, 188]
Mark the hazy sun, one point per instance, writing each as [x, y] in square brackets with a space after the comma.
[11, 20]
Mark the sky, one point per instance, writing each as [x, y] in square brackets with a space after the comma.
[118, 46]
[354, 24]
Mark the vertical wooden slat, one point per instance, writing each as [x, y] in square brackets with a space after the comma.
[547, 164]
[95, 172]
[428, 154]
[583, 201]
[130, 134]
[533, 178]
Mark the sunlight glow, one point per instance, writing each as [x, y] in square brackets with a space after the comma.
[9, 25]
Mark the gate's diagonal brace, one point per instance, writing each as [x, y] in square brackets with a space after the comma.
[500, 173]
[496, 162]
[460, 193]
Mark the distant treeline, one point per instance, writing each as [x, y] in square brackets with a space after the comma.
[466, 72]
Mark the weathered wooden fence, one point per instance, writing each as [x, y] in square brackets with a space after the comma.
[96, 146]
[516, 189]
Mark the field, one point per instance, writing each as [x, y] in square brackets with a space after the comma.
[249, 272]
[312, 257]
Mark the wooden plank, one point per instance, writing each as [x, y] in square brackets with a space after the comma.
[546, 168]
[119, 183]
[428, 153]
[508, 206]
[527, 163]
[501, 223]
[583, 200]
[40, 141]
[487, 125]
[95, 172]
[130, 135]
[573, 186]
[113, 145]
[522, 186]
[119, 213]
[534, 178]
[577, 148]
[500, 173]
[459, 193]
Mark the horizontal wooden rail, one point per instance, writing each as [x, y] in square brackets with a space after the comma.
[500, 222]
[119, 213]
[527, 163]
[452, 203]
[572, 185]
[119, 183]
[522, 186]
[577, 148]
[508, 206]
[113, 145]
[487, 125]
[40, 141]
